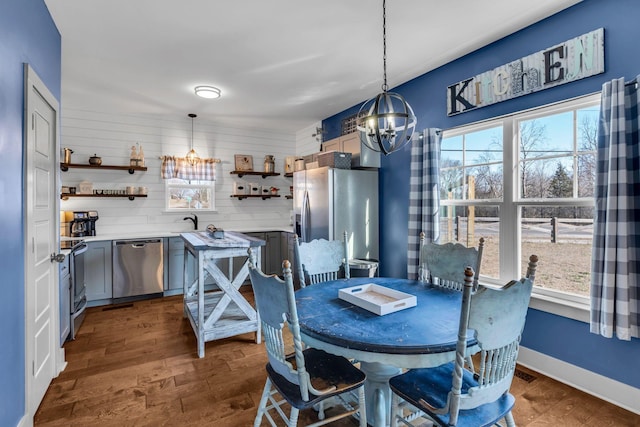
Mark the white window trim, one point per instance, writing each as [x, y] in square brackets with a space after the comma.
[565, 306]
[167, 209]
[571, 306]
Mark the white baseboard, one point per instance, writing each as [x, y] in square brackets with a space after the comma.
[61, 363]
[597, 385]
[25, 422]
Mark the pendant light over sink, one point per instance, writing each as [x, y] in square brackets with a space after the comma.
[192, 157]
[386, 122]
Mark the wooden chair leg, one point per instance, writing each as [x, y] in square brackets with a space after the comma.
[362, 407]
[293, 417]
[320, 409]
[509, 419]
[262, 407]
[395, 402]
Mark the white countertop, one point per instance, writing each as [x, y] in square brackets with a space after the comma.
[164, 233]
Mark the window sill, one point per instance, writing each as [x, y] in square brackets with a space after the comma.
[576, 310]
[188, 211]
[566, 305]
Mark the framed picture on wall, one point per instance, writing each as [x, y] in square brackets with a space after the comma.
[244, 162]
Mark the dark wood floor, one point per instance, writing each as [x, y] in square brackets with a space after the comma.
[136, 365]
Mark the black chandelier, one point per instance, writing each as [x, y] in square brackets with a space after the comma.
[386, 122]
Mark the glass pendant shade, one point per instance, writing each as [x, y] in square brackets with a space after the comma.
[386, 122]
[192, 156]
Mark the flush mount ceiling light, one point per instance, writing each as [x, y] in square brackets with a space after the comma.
[209, 92]
[192, 156]
[386, 122]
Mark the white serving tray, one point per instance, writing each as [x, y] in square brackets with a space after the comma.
[377, 299]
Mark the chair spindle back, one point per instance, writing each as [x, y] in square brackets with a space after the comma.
[320, 260]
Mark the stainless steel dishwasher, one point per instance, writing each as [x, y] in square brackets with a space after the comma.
[137, 267]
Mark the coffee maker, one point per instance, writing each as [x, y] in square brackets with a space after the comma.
[92, 218]
[83, 223]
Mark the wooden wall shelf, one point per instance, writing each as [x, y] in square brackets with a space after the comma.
[65, 196]
[246, 196]
[263, 174]
[66, 166]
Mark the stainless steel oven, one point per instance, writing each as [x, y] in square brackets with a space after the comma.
[78, 286]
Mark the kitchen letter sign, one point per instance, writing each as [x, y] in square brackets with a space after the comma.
[574, 59]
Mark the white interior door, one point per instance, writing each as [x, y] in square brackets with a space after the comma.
[41, 272]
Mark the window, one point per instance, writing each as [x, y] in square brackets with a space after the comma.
[471, 188]
[189, 195]
[525, 183]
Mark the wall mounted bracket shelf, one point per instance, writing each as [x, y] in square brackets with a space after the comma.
[66, 166]
[263, 174]
[65, 196]
[246, 196]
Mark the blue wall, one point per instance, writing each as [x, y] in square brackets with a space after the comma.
[27, 35]
[546, 333]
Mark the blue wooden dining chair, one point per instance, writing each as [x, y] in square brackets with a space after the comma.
[451, 395]
[440, 264]
[307, 377]
[321, 260]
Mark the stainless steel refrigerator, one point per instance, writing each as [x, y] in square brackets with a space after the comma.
[328, 201]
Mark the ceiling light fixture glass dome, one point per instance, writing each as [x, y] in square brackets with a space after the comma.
[209, 92]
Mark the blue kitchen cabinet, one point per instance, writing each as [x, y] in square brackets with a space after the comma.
[175, 266]
[271, 255]
[98, 273]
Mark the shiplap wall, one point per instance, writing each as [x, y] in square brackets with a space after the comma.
[306, 143]
[111, 136]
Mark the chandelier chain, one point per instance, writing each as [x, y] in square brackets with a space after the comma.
[384, 45]
[192, 156]
[193, 116]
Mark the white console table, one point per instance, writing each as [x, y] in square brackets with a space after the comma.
[211, 314]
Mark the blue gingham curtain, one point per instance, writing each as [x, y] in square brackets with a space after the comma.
[424, 195]
[615, 280]
[179, 167]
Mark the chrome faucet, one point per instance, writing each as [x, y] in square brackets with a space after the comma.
[193, 219]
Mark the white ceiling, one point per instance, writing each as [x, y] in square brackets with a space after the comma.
[279, 63]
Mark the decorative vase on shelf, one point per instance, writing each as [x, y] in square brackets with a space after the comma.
[269, 163]
[133, 160]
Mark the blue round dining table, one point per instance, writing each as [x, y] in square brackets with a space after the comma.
[421, 336]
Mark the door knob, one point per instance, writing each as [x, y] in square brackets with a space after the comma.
[57, 257]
